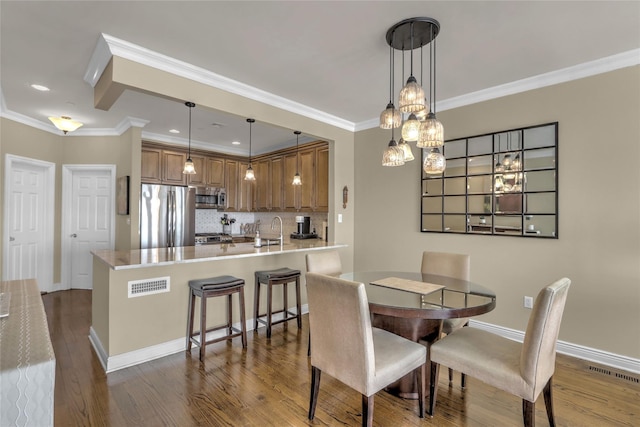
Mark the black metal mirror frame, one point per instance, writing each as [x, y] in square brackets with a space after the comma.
[477, 195]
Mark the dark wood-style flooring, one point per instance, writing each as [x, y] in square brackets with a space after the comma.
[268, 385]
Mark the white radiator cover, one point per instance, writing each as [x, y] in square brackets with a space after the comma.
[140, 288]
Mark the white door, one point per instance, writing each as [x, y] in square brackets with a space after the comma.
[88, 212]
[28, 220]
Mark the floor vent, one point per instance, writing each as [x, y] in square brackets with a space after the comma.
[615, 374]
[140, 288]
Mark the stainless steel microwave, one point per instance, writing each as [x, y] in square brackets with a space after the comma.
[210, 198]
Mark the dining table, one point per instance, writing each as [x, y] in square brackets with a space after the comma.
[413, 305]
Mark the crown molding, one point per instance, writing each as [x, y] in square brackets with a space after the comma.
[108, 46]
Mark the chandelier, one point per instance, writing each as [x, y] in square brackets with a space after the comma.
[421, 125]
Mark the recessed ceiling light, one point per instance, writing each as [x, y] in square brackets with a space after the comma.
[174, 131]
[40, 88]
[235, 143]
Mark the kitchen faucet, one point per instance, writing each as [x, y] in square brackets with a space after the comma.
[272, 224]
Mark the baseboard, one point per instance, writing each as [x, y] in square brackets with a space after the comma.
[581, 352]
[97, 346]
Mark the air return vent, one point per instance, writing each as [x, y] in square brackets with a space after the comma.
[140, 288]
[615, 374]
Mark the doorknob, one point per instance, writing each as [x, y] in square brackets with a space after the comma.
[11, 239]
[74, 235]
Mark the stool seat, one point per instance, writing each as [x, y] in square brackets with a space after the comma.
[280, 276]
[215, 287]
[219, 282]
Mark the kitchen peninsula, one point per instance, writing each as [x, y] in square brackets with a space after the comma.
[139, 306]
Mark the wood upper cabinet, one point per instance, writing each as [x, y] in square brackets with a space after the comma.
[150, 170]
[307, 174]
[278, 181]
[215, 176]
[262, 169]
[322, 179]
[231, 179]
[245, 189]
[162, 166]
[172, 167]
[291, 193]
[199, 178]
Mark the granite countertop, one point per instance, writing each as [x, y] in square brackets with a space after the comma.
[141, 258]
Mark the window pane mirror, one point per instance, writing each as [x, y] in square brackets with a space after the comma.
[503, 183]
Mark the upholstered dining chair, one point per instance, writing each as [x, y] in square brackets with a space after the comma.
[453, 265]
[325, 262]
[348, 348]
[524, 369]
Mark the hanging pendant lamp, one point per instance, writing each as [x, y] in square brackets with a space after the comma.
[434, 162]
[431, 130]
[411, 98]
[296, 177]
[189, 168]
[250, 176]
[390, 117]
[406, 148]
[393, 155]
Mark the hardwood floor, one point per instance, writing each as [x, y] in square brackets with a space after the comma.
[268, 385]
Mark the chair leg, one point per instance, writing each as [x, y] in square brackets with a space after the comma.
[420, 375]
[269, 308]
[315, 386]
[309, 346]
[298, 307]
[433, 387]
[450, 375]
[243, 319]
[367, 410]
[203, 325]
[548, 401]
[256, 305]
[229, 314]
[192, 298]
[528, 413]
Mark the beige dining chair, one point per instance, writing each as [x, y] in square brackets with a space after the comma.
[326, 262]
[523, 369]
[348, 348]
[453, 265]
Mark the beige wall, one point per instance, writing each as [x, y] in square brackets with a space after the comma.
[25, 141]
[599, 208]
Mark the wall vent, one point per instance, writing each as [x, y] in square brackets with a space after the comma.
[140, 288]
[625, 377]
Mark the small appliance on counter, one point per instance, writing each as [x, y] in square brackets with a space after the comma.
[303, 228]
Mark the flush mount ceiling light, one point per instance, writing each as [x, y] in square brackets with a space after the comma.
[250, 176]
[296, 177]
[189, 168]
[65, 123]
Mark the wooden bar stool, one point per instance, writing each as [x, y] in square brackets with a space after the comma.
[281, 276]
[215, 287]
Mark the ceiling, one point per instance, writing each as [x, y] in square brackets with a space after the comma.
[330, 57]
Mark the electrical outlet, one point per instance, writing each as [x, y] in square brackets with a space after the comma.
[528, 302]
[339, 217]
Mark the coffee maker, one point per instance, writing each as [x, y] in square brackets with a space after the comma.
[303, 228]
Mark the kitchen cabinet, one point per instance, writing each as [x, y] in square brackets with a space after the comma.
[291, 193]
[262, 169]
[199, 178]
[245, 189]
[163, 166]
[215, 176]
[307, 173]
[231, 180]
[278, 181]
[322, 179]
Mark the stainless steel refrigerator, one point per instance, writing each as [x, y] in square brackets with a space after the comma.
[167, 216]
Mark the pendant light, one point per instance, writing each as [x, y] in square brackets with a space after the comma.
[189, 168]
[431, 130]
[393, 155]
[411, 98]
[434, 162]
[390, 117]
[250, 176]
[296, 177]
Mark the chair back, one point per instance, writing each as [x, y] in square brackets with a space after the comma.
[538, 357]
[340, 326]
[457, 266]
[326, 262]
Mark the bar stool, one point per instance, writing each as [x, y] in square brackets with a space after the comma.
[281, 276]
[215, 287]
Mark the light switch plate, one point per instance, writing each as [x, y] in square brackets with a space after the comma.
[339, 217]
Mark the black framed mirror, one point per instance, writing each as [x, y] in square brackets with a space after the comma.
[503, 183]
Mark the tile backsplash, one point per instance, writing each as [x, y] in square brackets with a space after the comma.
[208, 221]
